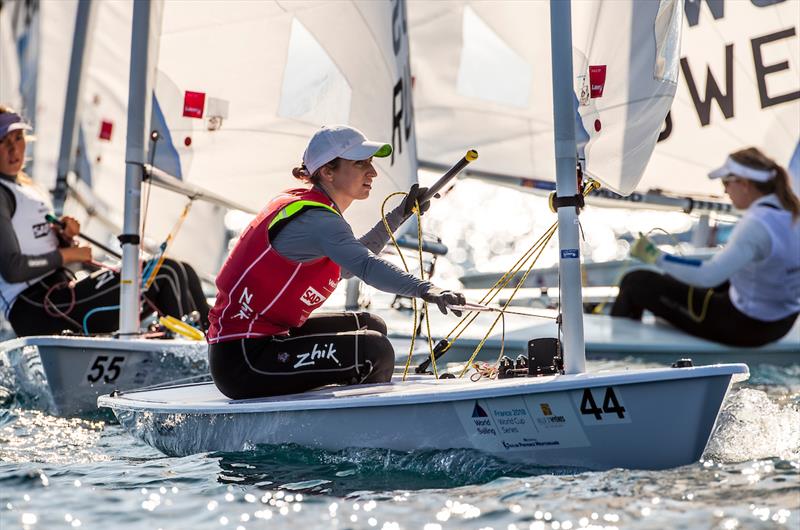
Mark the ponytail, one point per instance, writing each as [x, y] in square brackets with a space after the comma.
[779, 184]
[301, 173]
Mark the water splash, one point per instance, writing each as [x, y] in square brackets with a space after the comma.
[751, 426]
[353, 470]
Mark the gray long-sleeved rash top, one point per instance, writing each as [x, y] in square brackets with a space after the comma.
[319, 232]
[14, 265]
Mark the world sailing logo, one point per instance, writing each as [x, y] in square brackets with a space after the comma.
[482, 420]
[478, 412]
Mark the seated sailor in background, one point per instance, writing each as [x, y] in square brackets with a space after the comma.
[37, 294]
[748, 294]
[264, 341]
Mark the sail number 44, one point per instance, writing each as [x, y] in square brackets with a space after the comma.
[602, 406]
[105, 368]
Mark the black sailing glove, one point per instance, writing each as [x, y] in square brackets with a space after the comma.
[444, 298]
[414, 194]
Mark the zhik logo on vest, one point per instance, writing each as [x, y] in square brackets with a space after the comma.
[312, 297]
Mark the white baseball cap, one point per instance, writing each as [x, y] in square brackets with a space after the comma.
[733, 168]
[340, 141]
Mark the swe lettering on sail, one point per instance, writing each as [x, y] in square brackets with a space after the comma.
[766, 54]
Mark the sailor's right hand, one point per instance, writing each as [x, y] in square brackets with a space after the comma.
[645, 250]
[443, 299]
[77, 254]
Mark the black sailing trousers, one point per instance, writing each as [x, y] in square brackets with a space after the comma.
[93, 301]
[330, 348]
[717, 319]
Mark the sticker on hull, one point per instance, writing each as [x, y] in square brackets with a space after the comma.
[517, 423]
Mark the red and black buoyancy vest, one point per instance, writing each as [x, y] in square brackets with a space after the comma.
[261, 293]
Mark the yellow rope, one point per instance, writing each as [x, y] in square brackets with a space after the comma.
[549, 235]
[422, 275]
[703, 310]
[167, 241]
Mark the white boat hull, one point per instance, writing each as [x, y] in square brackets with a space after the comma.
[650, 419]
[63, 375]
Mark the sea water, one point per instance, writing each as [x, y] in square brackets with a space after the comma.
[73, 473]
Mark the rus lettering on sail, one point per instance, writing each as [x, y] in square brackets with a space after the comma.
[402, 109]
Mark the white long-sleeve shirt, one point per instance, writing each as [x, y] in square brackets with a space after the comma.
[749, 242]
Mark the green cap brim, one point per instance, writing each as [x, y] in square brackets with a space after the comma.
[384, 151]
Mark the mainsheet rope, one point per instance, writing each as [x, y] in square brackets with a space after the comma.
[534, 251]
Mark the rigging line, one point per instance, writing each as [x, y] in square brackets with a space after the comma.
[588, 188]
[505, 306]
[503, 282]
[170, 237]
[405, 265]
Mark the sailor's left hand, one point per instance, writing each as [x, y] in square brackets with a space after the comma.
[414, 194]
[645, 250]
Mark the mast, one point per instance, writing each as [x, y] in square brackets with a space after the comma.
[569, 262]
[66, 155]
[144, 50]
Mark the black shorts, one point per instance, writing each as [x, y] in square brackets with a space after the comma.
[330, 348]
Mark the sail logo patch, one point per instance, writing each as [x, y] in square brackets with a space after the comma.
[597, 80]
[193, 104]
[312, 297]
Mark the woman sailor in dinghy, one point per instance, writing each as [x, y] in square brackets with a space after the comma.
[748, 294]
[263, 339]
[37, 294]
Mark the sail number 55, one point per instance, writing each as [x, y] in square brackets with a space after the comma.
[105, 368]
[611, 411]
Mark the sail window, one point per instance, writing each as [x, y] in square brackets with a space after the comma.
[669, 22]
[489, 69]
[313, 90]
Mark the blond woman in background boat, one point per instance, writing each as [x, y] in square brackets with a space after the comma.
[747, 294]
[264, 339]
[38, 295]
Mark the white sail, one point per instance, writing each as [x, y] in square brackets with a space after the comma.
[9, 59]
[481, 70]
[243, 85]
[259, 104]
[739, 86]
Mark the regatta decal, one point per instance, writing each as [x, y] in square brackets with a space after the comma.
[612, 411]
[104, 369]
[193, 104]
[534, 422]
[311, 297]
[310, 359]
[245, 310]
[570, 253]
[597, 80]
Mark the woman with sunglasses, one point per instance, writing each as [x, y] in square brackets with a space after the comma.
[748, 294]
